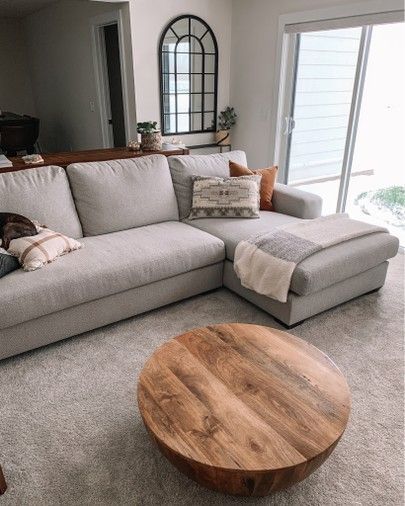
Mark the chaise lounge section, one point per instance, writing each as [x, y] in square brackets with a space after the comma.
[324, 280]
[140, 251]
[320, 282]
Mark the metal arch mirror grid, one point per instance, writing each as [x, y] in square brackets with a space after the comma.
[188, 61]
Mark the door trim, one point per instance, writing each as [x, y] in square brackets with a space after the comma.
[287, 83]
[100, 71]
[291, 106]
[354, 116]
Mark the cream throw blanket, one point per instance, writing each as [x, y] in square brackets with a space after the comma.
[266, 263]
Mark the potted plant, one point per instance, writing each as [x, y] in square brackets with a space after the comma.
[226, 120]
[151, 138]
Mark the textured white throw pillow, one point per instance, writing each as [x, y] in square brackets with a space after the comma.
[35, 251]
[228, 197]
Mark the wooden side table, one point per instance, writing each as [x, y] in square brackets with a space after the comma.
[3, 484]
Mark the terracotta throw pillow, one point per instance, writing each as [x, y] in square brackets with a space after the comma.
[268, 181]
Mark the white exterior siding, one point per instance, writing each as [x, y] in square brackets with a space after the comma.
[325, 76]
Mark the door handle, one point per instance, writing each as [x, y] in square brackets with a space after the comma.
[292, 125]
[289, 125]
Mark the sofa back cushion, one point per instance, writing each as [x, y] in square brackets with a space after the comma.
[41, 194]
[184, 167]
[122, 194]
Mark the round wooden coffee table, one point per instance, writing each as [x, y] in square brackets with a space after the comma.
[243, 409]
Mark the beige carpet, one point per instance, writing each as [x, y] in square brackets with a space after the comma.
[71, 434]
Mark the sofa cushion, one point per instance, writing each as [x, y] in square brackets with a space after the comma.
[184, 167]
[234, 230]
[121, 194]
[41, 194]
[107, 264]
[343, 261]
[318, 271]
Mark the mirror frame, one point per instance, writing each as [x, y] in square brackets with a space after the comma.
[168, 27]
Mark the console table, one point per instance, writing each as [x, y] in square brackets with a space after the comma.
[221, 147]
[96, 155]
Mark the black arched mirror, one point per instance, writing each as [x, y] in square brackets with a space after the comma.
[188, 77]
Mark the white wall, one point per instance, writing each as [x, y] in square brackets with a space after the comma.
[254, 50]
[62, 68]
[15, 81]
[148, 19]
[61, 63]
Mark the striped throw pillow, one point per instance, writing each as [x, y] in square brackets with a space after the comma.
[35, 251]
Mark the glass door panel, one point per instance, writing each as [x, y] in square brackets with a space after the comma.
[325, 78]
[376, 189]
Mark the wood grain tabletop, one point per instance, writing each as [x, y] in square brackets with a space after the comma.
[243, 409]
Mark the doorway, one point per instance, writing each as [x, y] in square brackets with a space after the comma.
[344, 120]
[114, 77]
[110, 79]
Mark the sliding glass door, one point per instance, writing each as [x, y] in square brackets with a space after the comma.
[325, 83]
[343, 119]
[376, 190]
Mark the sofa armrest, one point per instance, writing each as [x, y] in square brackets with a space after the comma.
[295, 202]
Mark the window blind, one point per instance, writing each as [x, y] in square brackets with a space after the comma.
[346, 22]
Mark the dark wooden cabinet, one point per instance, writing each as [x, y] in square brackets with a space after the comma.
[18, 133]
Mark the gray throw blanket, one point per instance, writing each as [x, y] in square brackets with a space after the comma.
[266, 263]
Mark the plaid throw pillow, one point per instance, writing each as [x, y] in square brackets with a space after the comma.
[217, 197]
[35, 251]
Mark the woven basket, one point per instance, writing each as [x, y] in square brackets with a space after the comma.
[223, 137]
[151, 141]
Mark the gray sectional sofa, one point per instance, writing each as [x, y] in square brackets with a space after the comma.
[140, 252]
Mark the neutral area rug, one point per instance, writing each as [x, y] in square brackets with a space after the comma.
[71, 434]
